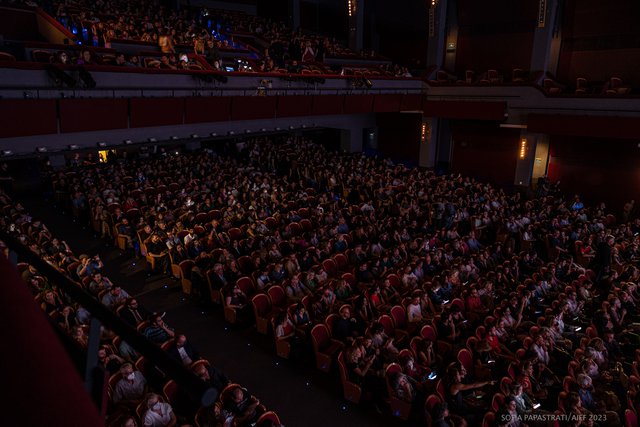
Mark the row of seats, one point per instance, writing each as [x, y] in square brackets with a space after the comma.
[513, 276]
[73, 319]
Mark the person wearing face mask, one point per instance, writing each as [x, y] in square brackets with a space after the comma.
[159, 414]
[131, 387]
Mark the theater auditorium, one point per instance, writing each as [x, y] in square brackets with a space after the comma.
[320, 213]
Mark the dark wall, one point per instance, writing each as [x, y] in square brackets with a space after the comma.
[18, 25]
[399, 136]
[329, 17]
[485, 151]
[600, 40]
[399, 33]
[495, 34]
[275, 9]
[598, 169]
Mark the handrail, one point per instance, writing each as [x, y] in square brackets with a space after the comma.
[197, 388]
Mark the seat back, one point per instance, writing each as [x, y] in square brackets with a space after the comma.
[246, 285]
[277, 296]
[330, 267]
[497, 401]
[185, 268]
[471, 343]
[387, 323]
[428, 332]
[261, 305]
[431, 402]
[330, 320]
[269, 416]
[341, 261]
[489, 419]
[505, 383]
[320, 336]
[466, 359]
[399, 316]
[630, 418]
[169, 391]
[440, 389]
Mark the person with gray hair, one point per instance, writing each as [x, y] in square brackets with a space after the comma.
[585, 385]
[402, 387]
[131, 387]
[159, 413]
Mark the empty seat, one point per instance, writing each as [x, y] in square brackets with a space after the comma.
[324, 347]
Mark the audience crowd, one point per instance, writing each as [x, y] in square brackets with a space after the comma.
[200, 31]
[139, 394]
[439, 296]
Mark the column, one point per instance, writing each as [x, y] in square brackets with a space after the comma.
[527, 149]
[547, 37]
[355, 11]
[435, 143]
[439, 14]
[294, 13]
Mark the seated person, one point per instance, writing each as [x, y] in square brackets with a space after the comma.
[133, 313]
[131, 387]
[237, 300]
[158, 414]
[115, 297]
[211, 375]
[158, 332]
[344, 328]
[182, 350]
[243, 406]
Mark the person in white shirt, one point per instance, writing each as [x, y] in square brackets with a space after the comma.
[189, 238]
[414, 310]
[159, 414]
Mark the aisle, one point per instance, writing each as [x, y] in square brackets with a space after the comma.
[301, 395]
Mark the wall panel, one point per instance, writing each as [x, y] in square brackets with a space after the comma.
[356, 104]
[82, 115]
[253, 107]
[201, 110]
[328, 104]
[485, 151]
[21, 117]
[293, 106]
[156, 111]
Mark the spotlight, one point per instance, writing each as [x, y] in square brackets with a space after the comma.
[231, 132]
[101, 144]
[7, 152]
[41, 150]
[127, 142]
[73, 146]
[213, 134]
[278, 128]
[247, 131]
[304, 126]
[291, 127]
[174, 137]
[263, 129]
[152, 139]
[194, 135]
